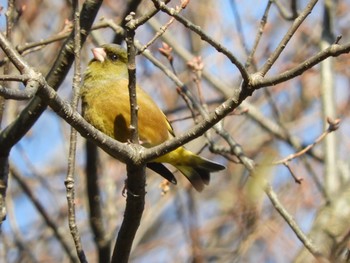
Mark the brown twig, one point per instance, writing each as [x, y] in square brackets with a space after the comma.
[239, 28]
[158, 34]
[17, 94]
[69, 182]
[162, 29]
[62, 35]
[333, 126]
[252, 111]
[4, 154]
[42, 211]
[296, 179]
[258, 36]
[283, 43]
[283, 11]
[333, 50]
[196, 29]
[135, 202]
[292, 223]
[130, 33]
[136, 177]
[29, 115]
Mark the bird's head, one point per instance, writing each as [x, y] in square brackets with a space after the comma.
[110, 60]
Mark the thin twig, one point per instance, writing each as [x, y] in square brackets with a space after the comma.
[283, 43]
[42, 211]
[239, 27]
[333, 50]
[69, 182]
[158, 34]
[161, 30]
[296, 179]
[62, 35]
[4, 157]
[333, 126]
[196, 29]
[292, 223]
[217, 84]
[145, 17]
[130, 33]
[283, 11]
[258, 36]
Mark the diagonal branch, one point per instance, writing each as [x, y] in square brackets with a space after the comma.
[292, 223]
[57, 231]
[333, 50]
[26, 119]
[296, 23]
[196, 29]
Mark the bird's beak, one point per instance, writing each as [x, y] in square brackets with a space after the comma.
[99, 53]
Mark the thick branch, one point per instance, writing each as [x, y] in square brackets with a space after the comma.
[94, 198]
[135, 203]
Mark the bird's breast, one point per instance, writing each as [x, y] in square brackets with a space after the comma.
[107, 108]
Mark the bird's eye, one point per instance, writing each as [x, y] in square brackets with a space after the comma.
[113, 57]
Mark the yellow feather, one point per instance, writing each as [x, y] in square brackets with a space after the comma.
[105, 103]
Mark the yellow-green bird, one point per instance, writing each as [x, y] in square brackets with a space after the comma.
[105, 104]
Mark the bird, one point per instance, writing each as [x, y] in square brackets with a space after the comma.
[106, 106]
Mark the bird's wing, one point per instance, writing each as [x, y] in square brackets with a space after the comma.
[170, 128]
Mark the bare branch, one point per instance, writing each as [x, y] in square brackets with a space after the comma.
[284, 12]
[57, 231]
[196, 29]
[28, 116]
[333, 50]
[293, 224]
[259, 34]
[69, 182]
[130, 33]
[297, 22]
[333, 126]
[136, 174]
[16, 94]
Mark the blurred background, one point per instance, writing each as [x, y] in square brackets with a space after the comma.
[232, 220]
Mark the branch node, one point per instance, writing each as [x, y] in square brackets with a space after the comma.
[333, 124]
[337, 40]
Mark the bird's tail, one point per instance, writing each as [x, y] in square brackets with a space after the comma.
[197, 170]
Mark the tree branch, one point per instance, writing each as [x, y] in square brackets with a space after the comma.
[69, 182]
[293, 225]
[333, 50]
[196, 29]
[16, 130]
[297, 22]
[136, 173]
[57, 231]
